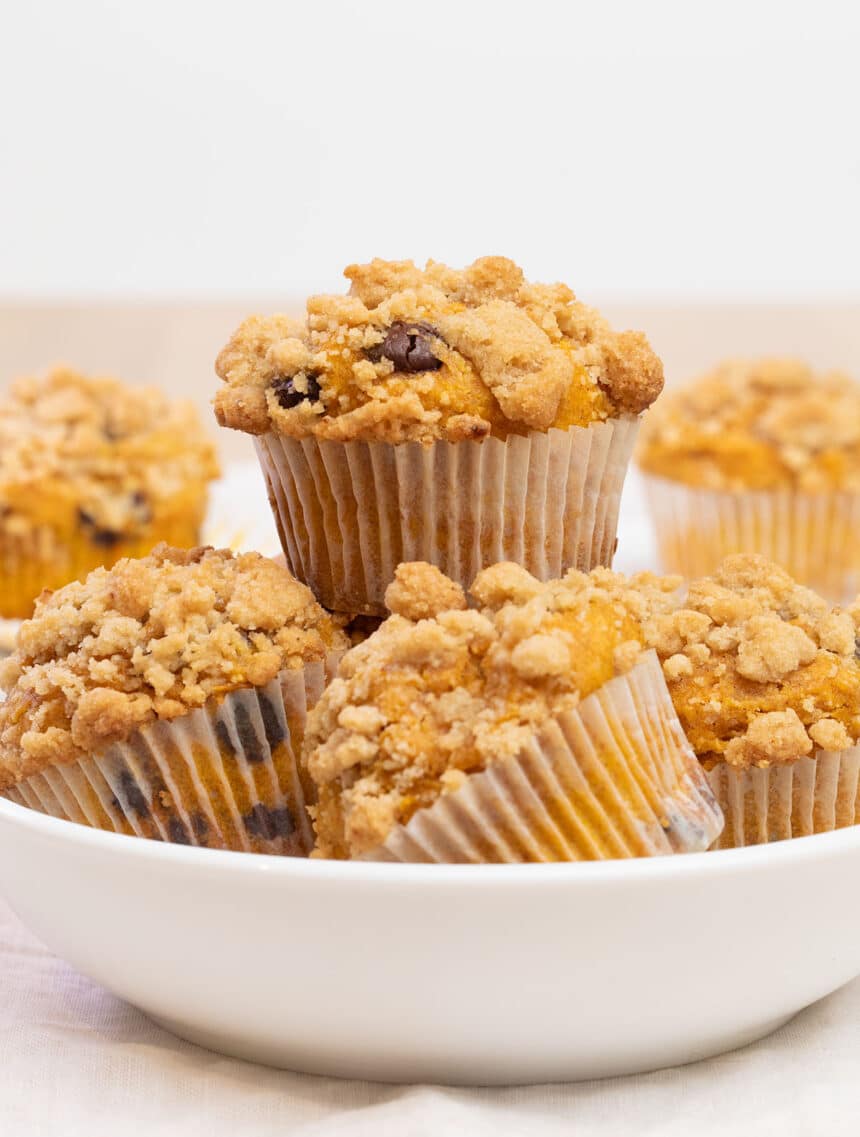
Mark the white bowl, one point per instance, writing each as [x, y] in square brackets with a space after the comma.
[466, 974]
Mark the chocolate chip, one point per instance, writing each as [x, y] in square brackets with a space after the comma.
[134, 796]
[249, 740]
[105, 538]
[177, 832]
[224, 739]
[274, 730]
[200, 825]
[408, 347]
[288, 396]
[261, 821]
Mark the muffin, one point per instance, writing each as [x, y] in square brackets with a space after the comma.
[533, 728]
[166, 697]
[764, 678]
[456, 417]
[759, 457]
[92, 471]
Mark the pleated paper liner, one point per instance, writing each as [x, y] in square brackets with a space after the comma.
[349, 513]
[39, 558]
[814, 794]
[225, 775]
[816, 537]
[614, 778]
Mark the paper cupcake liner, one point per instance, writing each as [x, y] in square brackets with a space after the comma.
[614, 778]
[816, 537]
[226, 775]
[39, 558]
[349, 513]
[794, 799]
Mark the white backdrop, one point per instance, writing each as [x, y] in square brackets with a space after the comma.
[670, 148]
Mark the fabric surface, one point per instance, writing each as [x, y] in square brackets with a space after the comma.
[76, 1062]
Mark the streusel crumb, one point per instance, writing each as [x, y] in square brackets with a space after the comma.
[441, 691]
[758, 424]
[423, 354]
[93, 453]
[148, 639]
[760, 669]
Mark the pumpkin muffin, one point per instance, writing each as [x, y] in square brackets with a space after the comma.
[759, 456]
[456, 417]
[530, 728]
[166, 697]
[764, 677]
[92, 471]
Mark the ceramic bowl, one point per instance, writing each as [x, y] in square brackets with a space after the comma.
[459, 974]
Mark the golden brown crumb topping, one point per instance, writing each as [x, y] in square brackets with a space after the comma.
[421, 354]
[106, 454]
[150, 638]
[758, 424]
[760, 669]
[441, 691]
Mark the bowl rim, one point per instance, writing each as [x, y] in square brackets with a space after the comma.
[715, 863]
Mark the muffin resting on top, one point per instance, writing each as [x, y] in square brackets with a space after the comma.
[436, 353]
[147, 640]
[90, 471]
[461, 418]
[441, 692]
[760, 669]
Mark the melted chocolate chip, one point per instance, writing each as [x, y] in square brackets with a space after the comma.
[104, 538]
[287, 395]
[261, 821]
[271, 722]
[200, 826]
[249, 741]
[134, 796]
[408, 347]
[177, 832]
[224, 740]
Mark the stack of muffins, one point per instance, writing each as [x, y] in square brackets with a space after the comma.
[447, 669]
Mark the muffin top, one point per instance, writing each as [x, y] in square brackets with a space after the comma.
[760, 425]
[96, 450]
[440, 691]
[760, 669]
[150, 638]
[434, 353]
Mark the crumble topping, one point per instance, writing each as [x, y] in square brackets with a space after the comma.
[91, 452]
[758, 424]
[150, 638]
[441, 691]
[434, 353]
[760, 669]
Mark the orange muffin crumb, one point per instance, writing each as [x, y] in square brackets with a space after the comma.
[434, 353]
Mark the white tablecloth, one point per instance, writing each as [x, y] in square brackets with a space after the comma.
[76, 1062]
